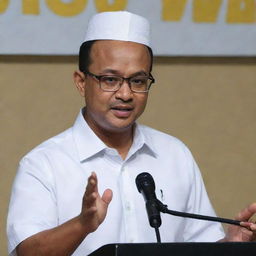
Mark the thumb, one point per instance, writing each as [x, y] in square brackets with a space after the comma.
[107, 196]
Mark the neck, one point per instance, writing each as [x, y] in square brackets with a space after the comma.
[121, 140]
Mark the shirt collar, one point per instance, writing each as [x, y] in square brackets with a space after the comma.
[88, 143]
[143, 141]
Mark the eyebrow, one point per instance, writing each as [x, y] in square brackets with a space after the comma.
[115, 72]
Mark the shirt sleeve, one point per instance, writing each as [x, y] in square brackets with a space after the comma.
[199, 203]
[32, 206]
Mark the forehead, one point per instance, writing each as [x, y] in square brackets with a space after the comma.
[119, 55]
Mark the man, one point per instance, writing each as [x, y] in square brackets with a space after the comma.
[52, 213]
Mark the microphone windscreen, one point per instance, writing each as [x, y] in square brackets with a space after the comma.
[144, 180]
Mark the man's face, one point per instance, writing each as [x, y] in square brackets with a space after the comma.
[115, 111]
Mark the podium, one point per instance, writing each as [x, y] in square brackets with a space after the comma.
[177, 249]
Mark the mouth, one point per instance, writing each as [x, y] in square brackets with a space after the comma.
[122, 111]
[122, 108]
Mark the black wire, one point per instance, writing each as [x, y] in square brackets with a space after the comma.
[158, 238]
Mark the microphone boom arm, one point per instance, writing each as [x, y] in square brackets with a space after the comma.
[164, 209]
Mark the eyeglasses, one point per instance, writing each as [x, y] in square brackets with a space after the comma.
[112, 83]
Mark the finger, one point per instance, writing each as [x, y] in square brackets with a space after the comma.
[91, 211]
[252, 218]
[252, 227]
[245, 224]
[95, 181]
[245, 214]
[107, 196]
[92, 184]
[90, 200]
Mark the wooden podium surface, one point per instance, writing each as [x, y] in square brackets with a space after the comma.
[177, 249]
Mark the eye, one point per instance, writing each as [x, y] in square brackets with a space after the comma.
[110, 80]
[139, 80]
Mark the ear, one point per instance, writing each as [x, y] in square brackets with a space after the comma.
[79, 79]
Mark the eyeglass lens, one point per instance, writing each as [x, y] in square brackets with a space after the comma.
[113, 83]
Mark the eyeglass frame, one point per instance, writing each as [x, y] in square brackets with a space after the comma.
[98, 77]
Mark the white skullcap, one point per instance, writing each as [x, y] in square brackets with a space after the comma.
[121, 25]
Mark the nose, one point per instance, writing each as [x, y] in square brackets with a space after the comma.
[124, 93]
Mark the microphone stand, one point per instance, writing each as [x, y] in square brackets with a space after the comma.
[164, 209]
[158, 237]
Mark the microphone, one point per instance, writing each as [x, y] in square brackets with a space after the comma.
[146, 186]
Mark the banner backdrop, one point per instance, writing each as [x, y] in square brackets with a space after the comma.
[179, 27]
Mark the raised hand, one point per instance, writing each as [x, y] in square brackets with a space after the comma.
[94, 206]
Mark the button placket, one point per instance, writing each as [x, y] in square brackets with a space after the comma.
[129, 213]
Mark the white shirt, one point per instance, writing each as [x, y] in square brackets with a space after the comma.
[51, 181]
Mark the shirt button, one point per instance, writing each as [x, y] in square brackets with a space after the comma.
[127, 206]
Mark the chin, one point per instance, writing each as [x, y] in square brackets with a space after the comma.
[120, 127]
